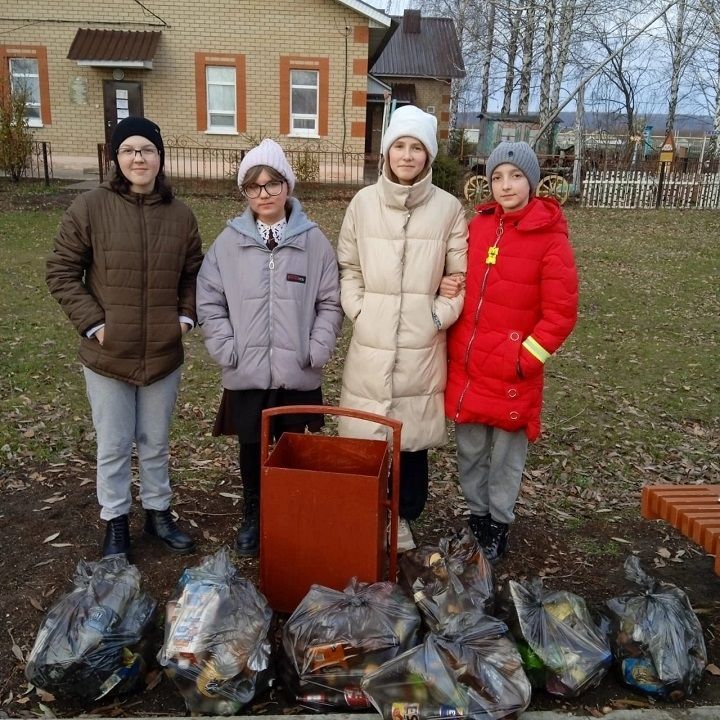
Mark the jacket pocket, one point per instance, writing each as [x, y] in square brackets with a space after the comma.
[512, 354]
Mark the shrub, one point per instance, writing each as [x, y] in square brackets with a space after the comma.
[447, 173]
[306, 166]
[15, 135]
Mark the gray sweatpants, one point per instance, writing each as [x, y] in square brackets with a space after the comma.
[490, 463]
[124, 414]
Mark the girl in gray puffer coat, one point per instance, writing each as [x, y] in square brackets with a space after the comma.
[268, 303]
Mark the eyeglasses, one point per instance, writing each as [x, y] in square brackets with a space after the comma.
[149, 152]
[274, 187]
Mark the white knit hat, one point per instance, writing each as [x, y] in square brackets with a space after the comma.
[411, 121]
[269, 153]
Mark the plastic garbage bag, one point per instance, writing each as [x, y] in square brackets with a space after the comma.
[485, 660]
[656, 637]
[416, 685]
[217, 649]
[449, 579]
[558, 639]
[335, 638]
[90, 643]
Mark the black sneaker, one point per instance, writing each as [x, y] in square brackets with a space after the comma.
[497, 540]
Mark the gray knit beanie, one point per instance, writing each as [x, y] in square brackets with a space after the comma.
[519, 154]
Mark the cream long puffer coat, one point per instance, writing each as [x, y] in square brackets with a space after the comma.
[395, 245]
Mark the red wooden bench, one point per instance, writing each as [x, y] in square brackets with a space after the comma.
[694, 510]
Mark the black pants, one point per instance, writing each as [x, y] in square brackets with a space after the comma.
[250, 468]
[413, 483]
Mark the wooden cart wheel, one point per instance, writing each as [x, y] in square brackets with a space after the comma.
[477, 189]
[554, 186]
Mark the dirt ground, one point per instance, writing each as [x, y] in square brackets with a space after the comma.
[36, 572]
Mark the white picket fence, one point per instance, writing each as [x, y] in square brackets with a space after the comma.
[637, 189]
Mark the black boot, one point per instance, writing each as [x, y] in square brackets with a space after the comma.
[479, 525]
[497, 540]
[247, 542]
[117, 537]
[161, 525]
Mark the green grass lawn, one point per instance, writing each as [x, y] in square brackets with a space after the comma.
[633, 396]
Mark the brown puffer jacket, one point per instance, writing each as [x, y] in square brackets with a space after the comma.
[129, 261]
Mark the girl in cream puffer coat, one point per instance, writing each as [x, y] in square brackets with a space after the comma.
[400, 239]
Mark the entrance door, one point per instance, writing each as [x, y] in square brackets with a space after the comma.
[120, 100]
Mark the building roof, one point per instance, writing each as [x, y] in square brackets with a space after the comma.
[421, 47]
[128, 48]
[368, 11]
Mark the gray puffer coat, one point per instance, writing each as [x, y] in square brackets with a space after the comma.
[270, 319]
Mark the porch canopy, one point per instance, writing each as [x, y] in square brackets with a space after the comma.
[114, 48]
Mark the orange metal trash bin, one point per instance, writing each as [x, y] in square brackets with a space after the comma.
[325, 509]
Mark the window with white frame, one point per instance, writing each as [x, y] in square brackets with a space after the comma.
[507, 133]
[221, 95]
[304, 95]
[25, 77]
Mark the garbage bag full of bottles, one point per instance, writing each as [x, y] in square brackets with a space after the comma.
[656, 637]
[562, 647]
[217, 649]
[333, 639]
[91, 642]
[484, 658]
[471, 670]
[448, 579]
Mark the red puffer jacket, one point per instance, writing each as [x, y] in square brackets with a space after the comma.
[520, 305]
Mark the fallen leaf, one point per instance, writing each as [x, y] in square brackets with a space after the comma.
[16, 651]
[47, 712]
[61, 544]
[231, 495]
[44, 695]
[36, 604]
[49, 538]
[713, 669]
[664, 553]
[621, 540]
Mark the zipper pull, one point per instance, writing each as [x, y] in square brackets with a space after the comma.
[271, 264]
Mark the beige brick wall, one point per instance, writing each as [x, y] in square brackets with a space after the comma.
[429, 93]
[262, 32]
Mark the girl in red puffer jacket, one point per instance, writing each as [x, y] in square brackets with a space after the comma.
[520, 306]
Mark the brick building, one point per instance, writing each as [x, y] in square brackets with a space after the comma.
[417, 64]
[221, 73]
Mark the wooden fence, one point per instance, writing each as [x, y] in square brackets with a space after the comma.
[639, 189]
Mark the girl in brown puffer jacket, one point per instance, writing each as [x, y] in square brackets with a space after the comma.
[123, 269]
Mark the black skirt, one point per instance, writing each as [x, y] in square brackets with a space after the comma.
[240, 413]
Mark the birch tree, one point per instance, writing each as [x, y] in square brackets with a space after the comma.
[514, 21]
[712, 8]
[487, 50]
[527, 58]
[676, 40]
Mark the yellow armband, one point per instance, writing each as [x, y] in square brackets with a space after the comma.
[536, 349]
